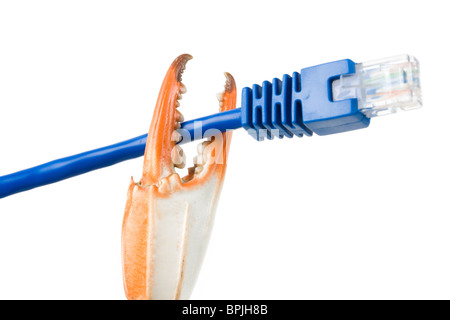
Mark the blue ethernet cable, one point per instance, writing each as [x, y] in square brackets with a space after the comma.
[325, 99]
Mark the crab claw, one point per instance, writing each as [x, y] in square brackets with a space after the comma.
[168, 219]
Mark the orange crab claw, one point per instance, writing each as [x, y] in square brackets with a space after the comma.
[157, 158]
[213, 153]
[168, 219]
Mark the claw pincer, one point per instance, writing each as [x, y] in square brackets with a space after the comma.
[168, 219]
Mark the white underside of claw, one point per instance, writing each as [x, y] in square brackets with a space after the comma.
[180, 229]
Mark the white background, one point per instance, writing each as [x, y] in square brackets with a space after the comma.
[363, 214]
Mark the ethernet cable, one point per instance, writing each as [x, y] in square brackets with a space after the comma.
[325, 99]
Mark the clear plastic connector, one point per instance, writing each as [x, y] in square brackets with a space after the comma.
[382, 86]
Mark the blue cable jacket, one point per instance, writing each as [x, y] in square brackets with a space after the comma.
[65, 168]
[210, 125]
[295, 106]
[69, 167]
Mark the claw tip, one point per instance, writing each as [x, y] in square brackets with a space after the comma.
[180, 64]
[230, 84]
